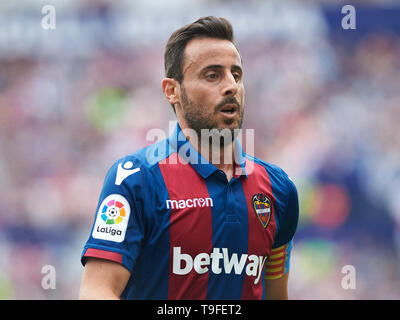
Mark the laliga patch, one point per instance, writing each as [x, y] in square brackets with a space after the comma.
[262, 207]
[112, 219]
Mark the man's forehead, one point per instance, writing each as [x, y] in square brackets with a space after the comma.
[201, 52]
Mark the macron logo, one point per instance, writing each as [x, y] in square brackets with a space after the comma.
[124, 171]
[190, 203]
[184, 263]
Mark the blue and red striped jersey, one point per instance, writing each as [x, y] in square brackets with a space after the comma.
[185, 232]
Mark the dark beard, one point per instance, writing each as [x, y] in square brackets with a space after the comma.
[197, 121]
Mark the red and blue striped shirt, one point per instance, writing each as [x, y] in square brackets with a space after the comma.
[185, 232]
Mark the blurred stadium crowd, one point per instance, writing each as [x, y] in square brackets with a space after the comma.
[324, 103]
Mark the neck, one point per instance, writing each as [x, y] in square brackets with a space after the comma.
[221, 156]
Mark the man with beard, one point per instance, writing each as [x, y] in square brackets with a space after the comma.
[175, 222]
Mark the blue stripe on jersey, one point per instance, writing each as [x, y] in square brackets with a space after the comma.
[229, 230]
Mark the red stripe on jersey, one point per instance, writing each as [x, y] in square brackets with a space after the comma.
[274, 251]
[260, 239]
[103, 254]
[275, 273]
[273, 267]
[277, 258]
[190, 227]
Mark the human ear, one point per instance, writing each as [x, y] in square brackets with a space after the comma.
[171, 91]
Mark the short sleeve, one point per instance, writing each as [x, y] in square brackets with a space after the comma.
[287, 216]
[117, 230]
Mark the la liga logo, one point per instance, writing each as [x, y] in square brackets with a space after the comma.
[112, 218]
[113, 212]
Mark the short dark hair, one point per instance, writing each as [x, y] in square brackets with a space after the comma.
[205, 27]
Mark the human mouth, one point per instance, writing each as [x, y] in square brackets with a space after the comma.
[229, 110]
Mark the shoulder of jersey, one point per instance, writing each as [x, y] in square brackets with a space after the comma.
[136, 164]
[274, 172]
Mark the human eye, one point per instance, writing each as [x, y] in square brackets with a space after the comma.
[237, 76]
[212, 76]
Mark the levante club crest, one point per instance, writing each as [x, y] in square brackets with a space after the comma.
[263, 208]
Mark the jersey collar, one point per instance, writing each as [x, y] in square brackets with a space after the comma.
[178, 143]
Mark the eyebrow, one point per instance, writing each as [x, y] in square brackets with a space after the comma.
[220, 66]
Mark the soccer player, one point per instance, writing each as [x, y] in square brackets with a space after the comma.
[175, 222]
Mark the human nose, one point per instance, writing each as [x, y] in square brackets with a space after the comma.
[230, 85]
